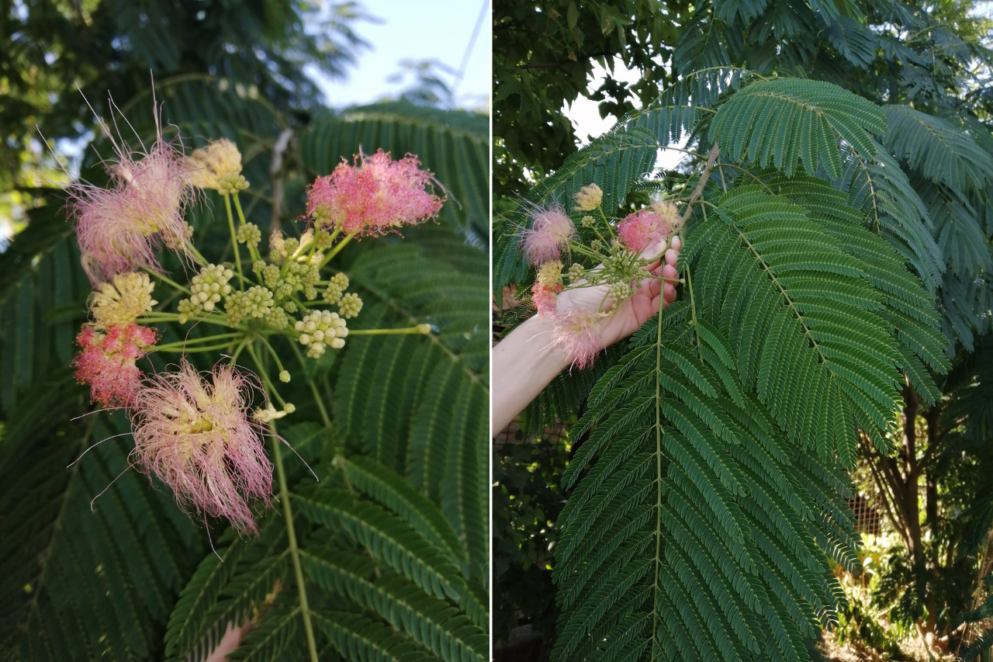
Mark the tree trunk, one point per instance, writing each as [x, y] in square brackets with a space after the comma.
[906, 484]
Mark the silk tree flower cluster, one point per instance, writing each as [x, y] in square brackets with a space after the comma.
[629, 251]
[203, 434]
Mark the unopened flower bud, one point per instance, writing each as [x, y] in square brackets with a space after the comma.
[284, 376]
[350, 305]
[249, 234]
[589, 198]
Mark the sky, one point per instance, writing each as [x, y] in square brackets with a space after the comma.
[585, 114]
[437, 30]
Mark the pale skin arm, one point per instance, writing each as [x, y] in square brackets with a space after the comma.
[524, 362]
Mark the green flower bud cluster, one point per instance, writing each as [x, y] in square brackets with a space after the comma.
[350, 305]
[249, 234]
[207, 288]
[320, 328]
[321, 215]
[231, 183]
[620, 269]
[277, 248]
[588, 221]
[322, 239]
[303, 276]
[255, 302]
[293, 277]
[337, 287]
[277, 318]
[292, 268]
[619, 292]
[270, 275]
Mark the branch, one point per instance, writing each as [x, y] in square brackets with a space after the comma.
[712, 156]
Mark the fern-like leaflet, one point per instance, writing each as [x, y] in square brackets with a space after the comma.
[708, 491]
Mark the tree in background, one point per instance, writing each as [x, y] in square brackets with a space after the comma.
[385, 558]
[921, 186]
[108, 49]
[544, 55]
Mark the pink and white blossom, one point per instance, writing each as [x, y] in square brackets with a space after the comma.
[198, 436]
[641, 229]
[544, 298]
[122, 227]
[577, 334]
[107, 362]
[550, 233]
[375, 196]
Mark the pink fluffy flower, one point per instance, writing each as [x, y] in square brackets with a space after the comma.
[199, 438]
[669, 213]
[543, 297]
[578, 335]
[641, 229]
[121, 228]
[107, 361]
[375, 196]
[548, 235]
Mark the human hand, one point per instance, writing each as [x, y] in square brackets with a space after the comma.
[637, 309]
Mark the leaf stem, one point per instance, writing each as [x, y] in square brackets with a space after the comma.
[579, 248]
[265, 375]
[238, 351]
[234, 241]
[658, 472]
[313, 387]
[197, 256]
[418, 330]
[170, 282]
[197, 341]
[219, 336]
[284, 496]
[178, 348]
[254, 252]
[279, 364]
[337, 249]
[155, 317]
[606, 222]
[320, 404]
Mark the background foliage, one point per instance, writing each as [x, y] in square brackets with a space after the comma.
[907, 160]
[393, 537]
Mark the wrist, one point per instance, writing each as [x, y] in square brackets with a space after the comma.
[523, 364]
[543, 359]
